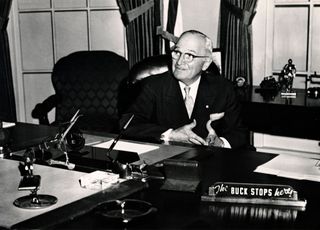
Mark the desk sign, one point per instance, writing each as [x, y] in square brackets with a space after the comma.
[288, 94]
[267, 194]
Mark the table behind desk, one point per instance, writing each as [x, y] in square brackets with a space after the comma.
[292, 117]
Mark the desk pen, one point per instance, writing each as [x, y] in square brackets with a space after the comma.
[118, 137]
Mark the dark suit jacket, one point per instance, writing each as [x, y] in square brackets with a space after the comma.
[160, 106]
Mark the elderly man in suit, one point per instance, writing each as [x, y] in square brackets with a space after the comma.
[185, 104]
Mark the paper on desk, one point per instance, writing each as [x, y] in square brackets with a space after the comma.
[7, 124]
[288, 166]
[99, 180]
[128, 146]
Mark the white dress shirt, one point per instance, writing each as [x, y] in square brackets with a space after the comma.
[193, 89]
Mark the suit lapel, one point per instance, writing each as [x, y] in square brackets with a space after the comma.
[203, 106]
[204, 99]
[175, 107]
[174, 101]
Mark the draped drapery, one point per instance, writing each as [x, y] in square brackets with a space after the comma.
[172, 17]
[236, 38]
[7, 101]
[143, 20]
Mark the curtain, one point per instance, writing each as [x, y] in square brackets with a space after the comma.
[7, 100]
[171, 21]
[235, 38]
[141, 18]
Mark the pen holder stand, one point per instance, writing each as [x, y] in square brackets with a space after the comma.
[121, 161]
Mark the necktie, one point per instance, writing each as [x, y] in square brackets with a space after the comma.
[188, 100]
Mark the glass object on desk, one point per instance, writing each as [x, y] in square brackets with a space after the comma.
[286, 77]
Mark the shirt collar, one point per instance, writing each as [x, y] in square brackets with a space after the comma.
[193, 88]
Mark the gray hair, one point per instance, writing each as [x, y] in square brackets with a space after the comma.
[208, 42]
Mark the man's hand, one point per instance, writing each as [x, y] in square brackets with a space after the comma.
[186, 135]
[212, 138]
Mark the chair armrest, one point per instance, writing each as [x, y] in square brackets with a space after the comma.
[41, 110]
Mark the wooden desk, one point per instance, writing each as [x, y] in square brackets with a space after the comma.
[184, 210]
[62, 183]
[292, 117]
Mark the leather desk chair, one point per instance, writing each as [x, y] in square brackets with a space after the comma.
[89, 81]
[156, 65]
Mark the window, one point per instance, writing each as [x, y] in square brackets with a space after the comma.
[296, 35]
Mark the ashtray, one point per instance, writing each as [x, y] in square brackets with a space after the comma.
[125, 210]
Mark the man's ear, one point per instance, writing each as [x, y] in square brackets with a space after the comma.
[206, 64]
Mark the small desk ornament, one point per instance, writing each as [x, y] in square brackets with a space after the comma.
[286, 77]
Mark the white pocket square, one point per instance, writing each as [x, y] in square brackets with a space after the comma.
[216, 116]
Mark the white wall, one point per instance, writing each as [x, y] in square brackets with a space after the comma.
[201, 15]
[259, 42]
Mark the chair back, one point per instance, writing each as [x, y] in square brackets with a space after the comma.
[149, 66]
[89, 81]
[159, 64]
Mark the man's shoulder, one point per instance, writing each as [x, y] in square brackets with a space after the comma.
[157, 79]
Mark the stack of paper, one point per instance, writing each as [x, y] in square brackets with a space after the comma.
[292, 167]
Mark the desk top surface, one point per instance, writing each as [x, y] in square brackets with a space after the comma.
[63, 184]
[186, 210]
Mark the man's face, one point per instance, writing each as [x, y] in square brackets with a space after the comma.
[184, 71]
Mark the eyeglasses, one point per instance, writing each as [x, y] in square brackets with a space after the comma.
[187, 57]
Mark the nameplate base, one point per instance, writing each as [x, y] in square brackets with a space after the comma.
[251, 193]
